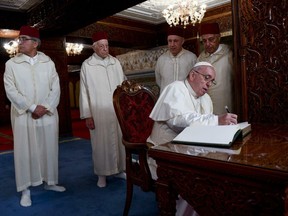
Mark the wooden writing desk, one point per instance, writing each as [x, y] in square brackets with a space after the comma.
[253, 181]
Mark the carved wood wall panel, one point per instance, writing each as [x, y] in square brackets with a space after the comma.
[263, 27]
[4, 113]
[12, 19]
[222, 15]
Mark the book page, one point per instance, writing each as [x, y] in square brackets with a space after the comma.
[210, 135]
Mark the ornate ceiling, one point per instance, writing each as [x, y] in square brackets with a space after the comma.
[63, 17]
[148, 12]
[19, 5]
[55, 17]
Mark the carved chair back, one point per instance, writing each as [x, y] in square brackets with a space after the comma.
[133, 104]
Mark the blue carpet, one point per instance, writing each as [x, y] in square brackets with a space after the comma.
[82, 196]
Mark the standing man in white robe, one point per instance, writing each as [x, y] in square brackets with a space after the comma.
[182, 104]
[221, 57]
[176, 63]
[99, 77]
[32, 86]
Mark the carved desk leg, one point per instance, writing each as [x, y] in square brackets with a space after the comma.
[165, 195]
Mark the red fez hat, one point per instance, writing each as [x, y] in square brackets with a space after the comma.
[175, 31]
[209, 28]
[99, 36]
[29, 31]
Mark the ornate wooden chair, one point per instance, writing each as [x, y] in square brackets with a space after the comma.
[133, 104]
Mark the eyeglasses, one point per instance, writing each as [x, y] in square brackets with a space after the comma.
[23, 39]
[207, 78]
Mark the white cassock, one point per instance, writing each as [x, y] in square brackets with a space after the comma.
[177, 108]
[35, 141]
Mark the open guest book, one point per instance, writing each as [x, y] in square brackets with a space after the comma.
[213, 136]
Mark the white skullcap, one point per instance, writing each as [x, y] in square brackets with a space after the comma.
[203, 64]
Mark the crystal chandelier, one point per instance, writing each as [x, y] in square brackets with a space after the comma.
[11, 48]
[73, 49]
[184, 12]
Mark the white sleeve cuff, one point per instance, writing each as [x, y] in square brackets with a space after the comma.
[32, 108]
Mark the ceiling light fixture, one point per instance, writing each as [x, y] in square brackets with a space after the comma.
[11, 48]
[73, 49]
[184, 12]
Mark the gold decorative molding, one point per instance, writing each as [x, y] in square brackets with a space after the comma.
[7, 33]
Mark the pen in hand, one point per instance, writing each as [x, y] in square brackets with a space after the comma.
[227, 110]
